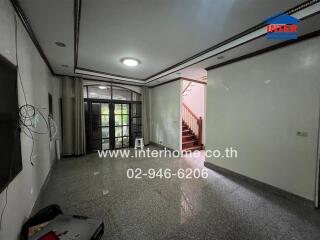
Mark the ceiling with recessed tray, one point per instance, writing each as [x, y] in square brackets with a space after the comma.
[161, 34]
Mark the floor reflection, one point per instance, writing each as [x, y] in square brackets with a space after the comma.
[214, 208]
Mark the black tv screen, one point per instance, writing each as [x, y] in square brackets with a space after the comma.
[10, 146]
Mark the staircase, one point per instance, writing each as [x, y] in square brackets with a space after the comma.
[191, 130]
[191, 124]
[190, 141]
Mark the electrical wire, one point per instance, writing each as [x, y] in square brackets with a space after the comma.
[28, 112]
[5, 205]
[27, 116]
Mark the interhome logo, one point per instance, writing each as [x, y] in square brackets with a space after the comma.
[282, 27]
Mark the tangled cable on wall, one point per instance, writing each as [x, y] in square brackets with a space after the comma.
[30, 117]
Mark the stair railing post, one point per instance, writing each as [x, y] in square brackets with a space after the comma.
[200, 130]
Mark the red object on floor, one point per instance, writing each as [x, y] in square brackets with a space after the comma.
[49, 236]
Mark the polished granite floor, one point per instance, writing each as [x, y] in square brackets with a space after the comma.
[218, 207]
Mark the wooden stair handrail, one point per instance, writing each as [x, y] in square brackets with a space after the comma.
[190, 111]
[190, 119]
[185, 89]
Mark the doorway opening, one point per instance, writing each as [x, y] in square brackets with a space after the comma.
[193, 114]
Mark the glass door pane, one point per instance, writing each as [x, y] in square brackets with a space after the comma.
[136, 121]
[107, 125]
[121, 130]
[95, 126]
[105, 136]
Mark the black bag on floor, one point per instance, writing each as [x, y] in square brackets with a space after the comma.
[44, 215]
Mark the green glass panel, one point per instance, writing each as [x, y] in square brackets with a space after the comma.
[118, 142]
[117, 120]
[104, 120]
[118, 131]
[104, 108]
[105, 132]
[125, 119]
[117, 109]
[126, 142]
[126, 131]
[105, 144]
[125, 108]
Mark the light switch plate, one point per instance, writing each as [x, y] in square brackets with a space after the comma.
[302, 134]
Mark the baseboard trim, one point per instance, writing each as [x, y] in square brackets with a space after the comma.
[261, 185]
[73, 155]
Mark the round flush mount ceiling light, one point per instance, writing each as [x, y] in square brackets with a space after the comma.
[102, 87]
[130, 62]
[60, 44]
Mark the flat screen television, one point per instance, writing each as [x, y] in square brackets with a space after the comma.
[10, 146]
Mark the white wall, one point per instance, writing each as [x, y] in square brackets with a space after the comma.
[165, 117]
[37, 81]
[196, 100]
[258, 105]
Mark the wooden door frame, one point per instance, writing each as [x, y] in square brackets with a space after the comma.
[111, 103]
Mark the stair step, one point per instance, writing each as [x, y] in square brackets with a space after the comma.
[193, 148]
[186, 132]
[187, 138]
[189, 143]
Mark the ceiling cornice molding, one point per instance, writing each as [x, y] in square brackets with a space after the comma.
[169, 81]
[268, 49]
[111, 81]
[25, 22]
[242, 38]
[302, 11]
[176, 79]
[95, 73]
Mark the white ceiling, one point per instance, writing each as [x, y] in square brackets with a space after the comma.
[52, 21]
[305, 27]
[160, 33]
